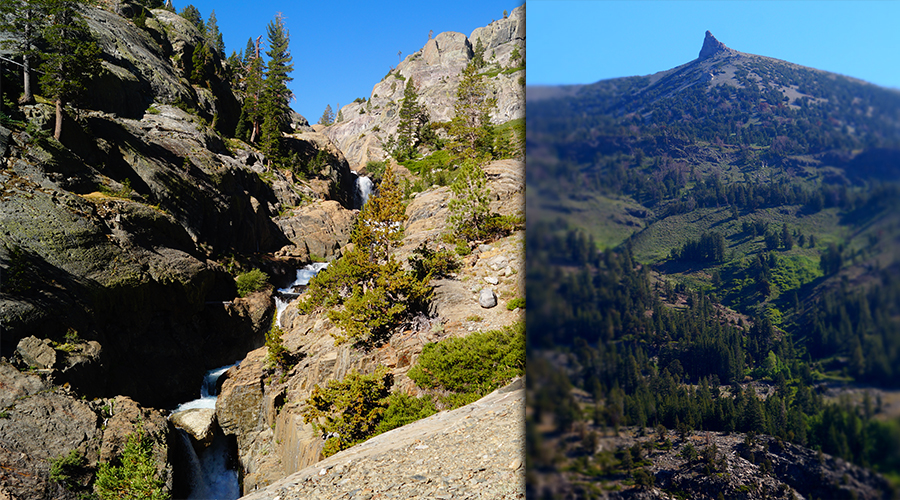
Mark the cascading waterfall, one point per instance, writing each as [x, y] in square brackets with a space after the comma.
[287, 294]
[363, 190]
[210, 472]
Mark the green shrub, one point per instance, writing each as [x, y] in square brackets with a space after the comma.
[68, 469]
[134, 476]
[427, 263]
[277, 355]
[250, 282]
[403, 409]
[516, 303]
[352, 408]
[478, 363]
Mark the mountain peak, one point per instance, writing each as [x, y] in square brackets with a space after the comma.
[711, 46]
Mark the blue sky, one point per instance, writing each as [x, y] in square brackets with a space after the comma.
[341, 49]
[585, 41]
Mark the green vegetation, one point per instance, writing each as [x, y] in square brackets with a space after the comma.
[477, 363]
[70, 470]
[277, 354]
[351, 408]
[367, 290]
[133, 474]
[71, 58]
[516, 303]
[427, 264]
[251, 281]
[456, 372]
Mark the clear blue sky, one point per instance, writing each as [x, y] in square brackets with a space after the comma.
[585, 41]
[341, 49]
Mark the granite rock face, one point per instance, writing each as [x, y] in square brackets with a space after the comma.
[435, 69]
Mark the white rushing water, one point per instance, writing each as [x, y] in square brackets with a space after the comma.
[287, 294]
[208, 392]
[209, 472]
[363, 190]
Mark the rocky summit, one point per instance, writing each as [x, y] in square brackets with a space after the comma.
[712, 47]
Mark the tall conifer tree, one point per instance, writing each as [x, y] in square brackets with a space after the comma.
[72, 58]
[25, 18]
[276, 96]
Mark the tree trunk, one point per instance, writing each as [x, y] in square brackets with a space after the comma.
[57, 132]
[28, 97]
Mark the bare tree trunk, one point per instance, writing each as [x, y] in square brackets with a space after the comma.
[57, 132]
[28, 97]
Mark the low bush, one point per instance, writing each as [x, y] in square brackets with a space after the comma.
[352, 408]
[478, 363]
[134, 476]
[250, 282]
[427, 263]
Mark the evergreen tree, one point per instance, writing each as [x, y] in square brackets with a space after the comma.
[471, 127]
[192, 14]
[276, 96]
[202, 62]
[213, 36]
[248, 128]
[327, 117]
[26, 19]
[469, 208]
[72, 56]
[413, 119]
[478, 57]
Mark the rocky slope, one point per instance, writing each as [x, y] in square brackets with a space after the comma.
[112, 243]
[471, 452]
[435, 70]
[263, 411]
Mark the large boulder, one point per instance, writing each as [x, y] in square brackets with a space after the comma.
[199, 423]
[318, 230]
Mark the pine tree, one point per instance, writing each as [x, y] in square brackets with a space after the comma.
[327, 117]
[252, 110]
[72, 56]
[478, 57]
[213, 36]
[26, 19]
[192, 14]
[469, 208]
[276, 95]
[471, 127]
[202, 61]
[413, 118]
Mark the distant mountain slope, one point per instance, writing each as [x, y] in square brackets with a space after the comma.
[715, 248]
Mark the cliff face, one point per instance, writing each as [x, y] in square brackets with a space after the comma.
[435, 70]
[108, 234]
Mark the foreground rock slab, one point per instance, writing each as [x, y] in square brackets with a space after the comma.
[476, 451]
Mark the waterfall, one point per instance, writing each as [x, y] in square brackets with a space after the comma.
[363, 190]
[211, 472]
[208, 390]
[287, 294]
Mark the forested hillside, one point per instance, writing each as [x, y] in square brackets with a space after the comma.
[713, 248]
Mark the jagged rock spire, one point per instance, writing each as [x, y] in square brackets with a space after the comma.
[711, 46]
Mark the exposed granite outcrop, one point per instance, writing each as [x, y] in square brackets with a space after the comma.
[317, 231]
[476, 450]
[435, 70]
[41, 423]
